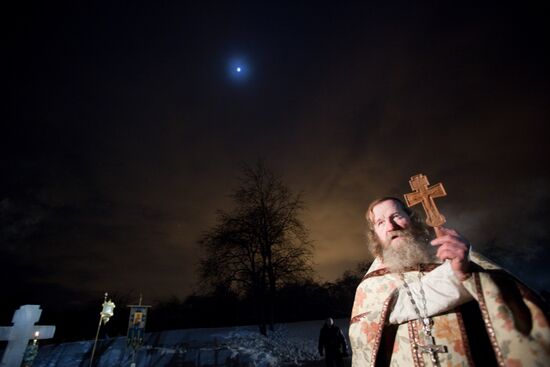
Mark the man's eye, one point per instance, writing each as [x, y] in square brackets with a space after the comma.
[379, 223]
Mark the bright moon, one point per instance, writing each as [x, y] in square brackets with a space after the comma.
[238, 70]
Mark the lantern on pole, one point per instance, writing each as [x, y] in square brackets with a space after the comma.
[106, 313]
[108, 310]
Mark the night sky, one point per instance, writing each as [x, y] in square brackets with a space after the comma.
[125, 125]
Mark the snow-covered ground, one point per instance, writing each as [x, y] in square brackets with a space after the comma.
[289, 344]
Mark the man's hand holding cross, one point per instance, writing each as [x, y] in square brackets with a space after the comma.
[452, 246]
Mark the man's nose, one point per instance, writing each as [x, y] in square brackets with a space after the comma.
[391, 225]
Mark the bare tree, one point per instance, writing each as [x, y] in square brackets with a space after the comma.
[260, 245]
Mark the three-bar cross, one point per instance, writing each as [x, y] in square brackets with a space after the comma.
[424, 194]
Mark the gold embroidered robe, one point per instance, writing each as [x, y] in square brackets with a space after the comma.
[505, 325]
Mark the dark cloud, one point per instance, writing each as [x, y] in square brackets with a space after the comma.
[124, 134]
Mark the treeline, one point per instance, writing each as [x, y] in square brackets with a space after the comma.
[294, 302]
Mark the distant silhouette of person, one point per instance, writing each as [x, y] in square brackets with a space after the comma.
[332, 344]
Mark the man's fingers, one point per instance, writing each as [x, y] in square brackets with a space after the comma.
[449, 235]
[440, 240]
[452, 241]
[444, 254]
[448, 230]
[450, 252]
[447, 238]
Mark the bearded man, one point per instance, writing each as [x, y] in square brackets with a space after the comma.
[434, 302]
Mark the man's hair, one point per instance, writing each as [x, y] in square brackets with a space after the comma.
[373, 242]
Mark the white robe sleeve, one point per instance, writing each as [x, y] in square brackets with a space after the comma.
[443, 290]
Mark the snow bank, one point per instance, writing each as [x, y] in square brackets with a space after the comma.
[289, 344]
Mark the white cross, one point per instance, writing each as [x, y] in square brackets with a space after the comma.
[21, 332]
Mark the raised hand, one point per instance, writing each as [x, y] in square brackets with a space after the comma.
[454, 247]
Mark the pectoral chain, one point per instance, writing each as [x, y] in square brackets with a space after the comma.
[429, 345]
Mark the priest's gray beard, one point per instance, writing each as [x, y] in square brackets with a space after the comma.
[407, 251]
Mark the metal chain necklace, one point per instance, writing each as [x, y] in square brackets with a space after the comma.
[426, 321]
[430, 347]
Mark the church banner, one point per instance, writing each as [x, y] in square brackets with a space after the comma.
[136, 325]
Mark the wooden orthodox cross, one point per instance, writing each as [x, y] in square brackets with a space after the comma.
[423, 193]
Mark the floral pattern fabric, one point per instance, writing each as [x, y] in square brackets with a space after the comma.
[521, 340]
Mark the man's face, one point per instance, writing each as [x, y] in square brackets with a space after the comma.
[389, 218]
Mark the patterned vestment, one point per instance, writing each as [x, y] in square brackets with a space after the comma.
[505, 325]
